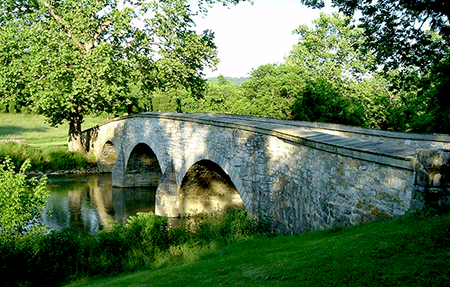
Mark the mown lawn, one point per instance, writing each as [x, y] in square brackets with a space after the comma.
[410, 251]
[35, 131]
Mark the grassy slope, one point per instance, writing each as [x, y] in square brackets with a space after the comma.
[34, 129]
[409, 251]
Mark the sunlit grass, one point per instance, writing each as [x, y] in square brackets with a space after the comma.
[46, 146]
[35, 131]
[411, 251]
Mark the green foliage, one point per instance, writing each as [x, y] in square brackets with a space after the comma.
[12, 106]
[409, 40]
[64, 255]
[396, 31]
[19, 153]
[235, 81]
[62, 159]
[21, 199]
[150, 230]
[331, 49]
[223, 226]
[272, 90]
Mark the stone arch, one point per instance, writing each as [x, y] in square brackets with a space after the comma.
[206, 187]
[219, 160]
[108, 158]
[142, 167]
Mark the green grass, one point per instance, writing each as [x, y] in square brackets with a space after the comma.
[46, 146]
[35, 131]
[410, 251]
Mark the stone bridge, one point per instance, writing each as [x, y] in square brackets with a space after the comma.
[306, 176]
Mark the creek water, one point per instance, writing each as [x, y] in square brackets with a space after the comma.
[88, 203]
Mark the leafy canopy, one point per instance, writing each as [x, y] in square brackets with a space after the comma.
[403, 33]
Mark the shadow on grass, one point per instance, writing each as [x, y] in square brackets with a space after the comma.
[6, 131]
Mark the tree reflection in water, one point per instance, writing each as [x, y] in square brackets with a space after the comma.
[88, 203]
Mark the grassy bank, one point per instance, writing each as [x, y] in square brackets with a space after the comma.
[410, 251]
[46, 147]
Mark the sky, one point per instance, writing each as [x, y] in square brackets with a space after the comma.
[248, 36]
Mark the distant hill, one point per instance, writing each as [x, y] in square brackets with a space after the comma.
[236, 81]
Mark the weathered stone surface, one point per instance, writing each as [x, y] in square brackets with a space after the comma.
[305, 177]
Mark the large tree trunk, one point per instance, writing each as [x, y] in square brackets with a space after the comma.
[74, 138]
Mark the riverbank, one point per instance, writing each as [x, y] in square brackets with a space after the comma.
[79, 171]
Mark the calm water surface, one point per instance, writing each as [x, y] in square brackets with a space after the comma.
[89, 202]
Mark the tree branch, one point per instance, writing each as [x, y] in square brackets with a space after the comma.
[64, 24]
[105, 25]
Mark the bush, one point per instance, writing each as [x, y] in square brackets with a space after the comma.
[3, 108]
[19, 153]
[149, 229]
[12, 106]
[229, 225]
[64, 160]
[21, 199]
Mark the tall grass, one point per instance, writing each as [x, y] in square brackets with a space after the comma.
[53, 158]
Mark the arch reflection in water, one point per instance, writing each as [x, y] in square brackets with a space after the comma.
[89, 203]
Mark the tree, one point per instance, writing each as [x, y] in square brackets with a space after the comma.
[70, 58]
[272, 90]
[410, 39]
[332, 49]
[333, 66]
[399, 31]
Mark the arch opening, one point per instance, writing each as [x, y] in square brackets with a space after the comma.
[108, 158]
[143, 168]
[206, 187]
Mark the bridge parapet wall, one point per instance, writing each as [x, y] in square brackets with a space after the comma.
[414, 140]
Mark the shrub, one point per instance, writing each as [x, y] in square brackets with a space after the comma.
[150, 229]
[21, 199]
[226, 226]
[19, 153]
[64, 160]
[55, 158]
[12, 109]
[3, 108]
[38, 259]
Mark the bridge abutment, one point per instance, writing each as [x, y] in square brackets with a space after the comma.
[432, 180]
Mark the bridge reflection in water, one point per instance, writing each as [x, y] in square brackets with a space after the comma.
[89, 203]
